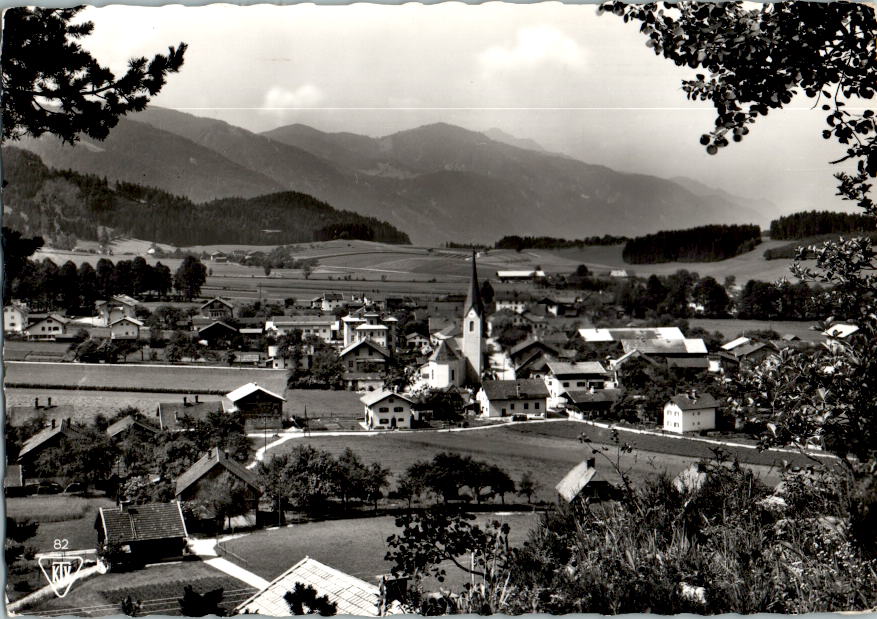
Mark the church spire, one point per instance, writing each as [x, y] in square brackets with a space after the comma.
[473, 298]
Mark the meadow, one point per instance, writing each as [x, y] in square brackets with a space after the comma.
[547, 450]
[355, 546]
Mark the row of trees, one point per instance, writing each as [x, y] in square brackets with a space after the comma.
[671, 295]
[519, 243]
[816, 223]
[700, 244]
[45, 286]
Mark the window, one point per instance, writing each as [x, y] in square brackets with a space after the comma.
[471, 325]
[384, 409]
[452, 374]
[566, 384]
[526, 406]
[502, 412]
[383, 421]
[512, 406]
[536, 405]
[581, 383]
[398, 409]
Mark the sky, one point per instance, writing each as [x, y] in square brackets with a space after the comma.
[575, 82]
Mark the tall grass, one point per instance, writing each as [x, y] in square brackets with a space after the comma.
[48, 508]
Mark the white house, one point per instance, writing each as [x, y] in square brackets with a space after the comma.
[328, 301]
[348, 328]
[387, 410]
[119, 306]
[51, 327]
[690, 412]
[364, 356]
[417, 341]
[511, 300]
[217, 308]
[321, 326]
[15, 318]
[502, 398]
[377, 333]
[445, 367]
[125, 329]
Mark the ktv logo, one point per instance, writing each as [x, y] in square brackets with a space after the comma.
[60, 569]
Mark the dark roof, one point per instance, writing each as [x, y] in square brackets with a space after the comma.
[19, 415]
[41, 437]
[366, 342]
[473, 297]
[747, 349]
[589, 397]
[170, 414]
[214, 300]
[688, 362]
[138, 523]
[522, 388]
[699, 402]
[444, 353]
[217, 324]
[127, 422]
[531, 342]
[214, 457]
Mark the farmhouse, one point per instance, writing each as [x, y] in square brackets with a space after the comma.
[15, 317]
[562, 376]
[588, 404]
[631, 333]
[119, 306]
[364, 356]
[512, 300]
[445, 367]
[218, 256]
[147, 532]
[690, 412]
[125, 329]
[215, 470]
[417, 341]
[171, 415]
[217, 334]
[217, 308]
[350, 595]
[46, 438]
[52, 327]
[753, 352]
[688, 353]
[387, 410]
[260, 408]
[520, 276]
[321, 326]
[525, 350]
[328, 301]
[501, 398]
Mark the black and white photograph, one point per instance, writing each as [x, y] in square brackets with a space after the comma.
[430, 309]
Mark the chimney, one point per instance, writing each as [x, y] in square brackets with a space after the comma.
[49, 405]
[53, 423]
[197, 400]
[185, 401]
[592, 463]
[36, 402]
[693, 394]
[124, 505]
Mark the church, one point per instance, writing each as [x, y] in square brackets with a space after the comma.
[473, 330]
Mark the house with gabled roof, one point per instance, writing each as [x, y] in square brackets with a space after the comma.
[15, 317]
[690, 412]
[217, 308]
[364, 356]
[52, 327]
[503, 398]
[216, 470]
[323, 327]
[563, 376]
[148, 532]
[350, 595]
[388, 410]
[125, 328]
[524, 350]
[131, 426]
[445, 367]
[45, 439]
[117, 307]
[260, 407]
[217, 333]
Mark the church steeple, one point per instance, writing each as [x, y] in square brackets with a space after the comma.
[473, 298]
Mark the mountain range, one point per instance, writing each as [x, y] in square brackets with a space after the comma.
[437, 182]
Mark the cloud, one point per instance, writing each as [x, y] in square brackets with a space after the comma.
[279, 98]
[534, 45]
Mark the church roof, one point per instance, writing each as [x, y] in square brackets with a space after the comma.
[473, 297]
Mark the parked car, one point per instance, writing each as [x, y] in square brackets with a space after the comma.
[49, 487]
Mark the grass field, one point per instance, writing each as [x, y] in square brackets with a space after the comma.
[355, 546]
[547, 450]
[143, 377]
[61, 517]
[158, 586]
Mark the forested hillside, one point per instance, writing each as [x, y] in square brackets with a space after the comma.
[816, 223]
[63, 206]
[701, 244]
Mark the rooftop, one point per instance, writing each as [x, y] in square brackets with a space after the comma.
[700, 401]
[520, 389]
[248, 389]
[138, 523]
[575, 368]
[631, 333]
[215, 457]
[370, 399]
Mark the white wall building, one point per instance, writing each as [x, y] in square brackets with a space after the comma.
[387, 410]
[690, 412]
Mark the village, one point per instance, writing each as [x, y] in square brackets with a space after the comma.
[475, 361]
